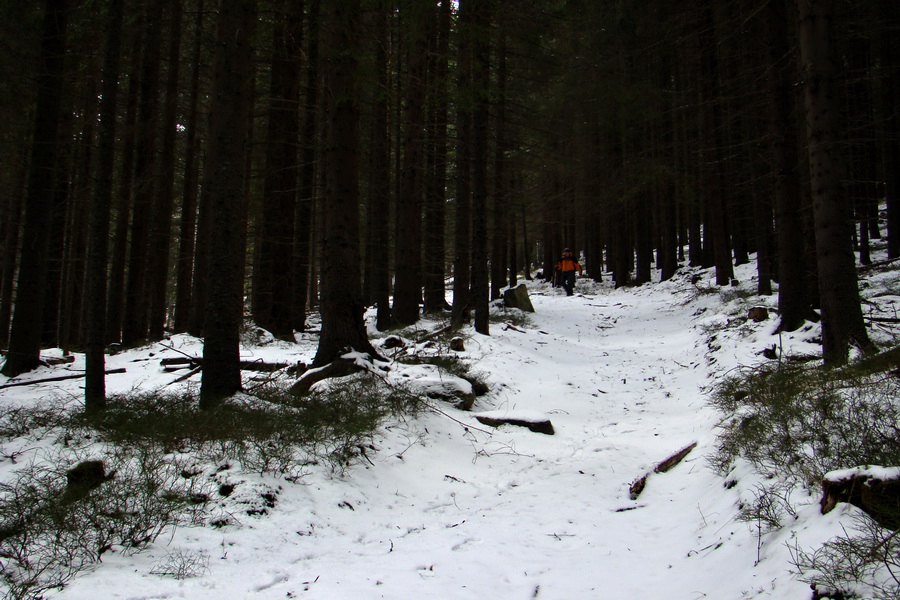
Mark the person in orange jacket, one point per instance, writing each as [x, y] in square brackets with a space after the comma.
[566, 268]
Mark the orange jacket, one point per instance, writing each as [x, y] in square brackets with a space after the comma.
[568, 263]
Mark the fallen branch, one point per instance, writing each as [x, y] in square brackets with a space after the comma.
[176, 362]
[876, 265]
[187, 375]
[882, 319]
[434, 334]
[59, 360]
[638, 485]
[59, 378]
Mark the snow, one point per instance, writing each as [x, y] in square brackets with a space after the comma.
[452, 509]
[867, 471]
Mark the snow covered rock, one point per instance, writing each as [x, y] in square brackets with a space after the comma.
[431, 381]
[876, 490]
[517, 297]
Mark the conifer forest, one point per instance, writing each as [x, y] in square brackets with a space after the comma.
[174, 166]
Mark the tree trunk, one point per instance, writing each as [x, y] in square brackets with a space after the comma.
[462, 248]
[434, 250]
[187, 235]
[889, 53]
[147, 184]
[480, 88]
[98, 248]
[25, 334]
[160, 238]
[408, 242]
[115, 304]
[303, 217]
[272, 271]
[377, 232]
[842, 322]
[341, 290]
[229, 128]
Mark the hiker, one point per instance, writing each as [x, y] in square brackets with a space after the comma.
[566, 268]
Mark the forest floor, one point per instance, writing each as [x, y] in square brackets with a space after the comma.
[449, 508]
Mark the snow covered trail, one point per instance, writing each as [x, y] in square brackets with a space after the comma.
[454, 513]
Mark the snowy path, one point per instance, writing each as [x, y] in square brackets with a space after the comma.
[445, 513]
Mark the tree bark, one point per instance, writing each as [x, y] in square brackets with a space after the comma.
[341, 290]
[98, 244]
[480, 88]
[184, 269]
[43, 180]
[462, 248]
[408, 242]
[272, 271]
[303, 217]
[229, 130]
[147, 183]
[842, 322]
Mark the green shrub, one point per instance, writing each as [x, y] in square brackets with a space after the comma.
[796, 423]
[804, 422]
[48, 533]
[150, 445]
[864, 562]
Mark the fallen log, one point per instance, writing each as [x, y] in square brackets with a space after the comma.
[174, 363]
[58, 378]
[59, 360]
[638, 485]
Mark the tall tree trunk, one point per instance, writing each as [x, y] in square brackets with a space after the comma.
[115, 305]
[25, 334]
[303, 217]
[229, 130]
[500, 208]
[272, 271]
[480, 87]
[184, 269]
[11, 225]
[842, 322]
[341, 289]
[434, 250]
[462, 230]
[889, 54]
[147, 183]
[101, 201]
[794, 305]
[715, 191]
[160, 238]
[418, 23]
[377, 231]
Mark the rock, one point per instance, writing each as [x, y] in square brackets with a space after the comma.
[517, 297]
[393, 341]
[758, 314]
[875, 490]
[84, 477]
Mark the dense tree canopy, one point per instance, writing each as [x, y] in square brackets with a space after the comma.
[472, 139]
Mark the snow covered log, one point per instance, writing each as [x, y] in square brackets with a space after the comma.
[638, 485]
[535, 422]
[183, 362]
[875, 490]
